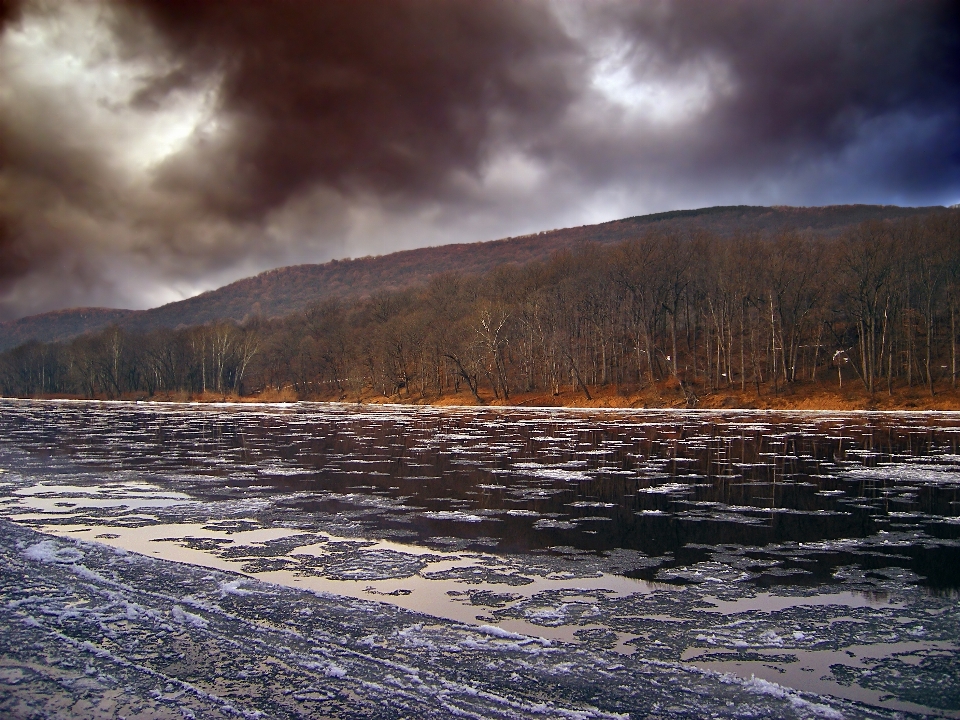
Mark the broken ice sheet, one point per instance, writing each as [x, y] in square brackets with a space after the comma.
[176, 638]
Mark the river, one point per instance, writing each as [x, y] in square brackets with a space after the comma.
[335, 560]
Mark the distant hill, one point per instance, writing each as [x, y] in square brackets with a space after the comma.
[285, 290]
[59, 325]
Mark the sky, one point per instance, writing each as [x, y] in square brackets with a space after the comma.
[154, 149]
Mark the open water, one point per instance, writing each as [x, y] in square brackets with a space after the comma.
[317, 560]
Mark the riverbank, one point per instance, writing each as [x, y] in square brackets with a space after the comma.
[668, 394]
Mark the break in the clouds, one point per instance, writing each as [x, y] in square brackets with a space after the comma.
[152, 149]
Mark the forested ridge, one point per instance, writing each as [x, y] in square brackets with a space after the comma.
[281, 291]
[696, 312]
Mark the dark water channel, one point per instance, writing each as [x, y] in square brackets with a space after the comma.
[673, 486]
[817, 532]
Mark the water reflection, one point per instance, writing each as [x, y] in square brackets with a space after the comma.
[778, 496]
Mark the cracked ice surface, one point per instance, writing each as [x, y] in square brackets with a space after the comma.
[94, 631]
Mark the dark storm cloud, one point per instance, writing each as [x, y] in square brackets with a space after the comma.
[378, 99]
[9, 10]
[13, 257]
[809, 77]
[385, 97]
[157, 144]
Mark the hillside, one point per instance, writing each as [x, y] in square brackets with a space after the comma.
[59, 325]
[284, 290]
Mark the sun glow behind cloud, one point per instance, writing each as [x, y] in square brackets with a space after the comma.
[684, 95]
[69, 60]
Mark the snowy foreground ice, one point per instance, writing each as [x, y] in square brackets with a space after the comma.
[90, 631]
[333, 561]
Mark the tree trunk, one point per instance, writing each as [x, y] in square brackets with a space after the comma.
[953, 345]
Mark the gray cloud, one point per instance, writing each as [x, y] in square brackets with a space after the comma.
[155, 148]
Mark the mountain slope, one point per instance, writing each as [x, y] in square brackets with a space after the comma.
[284, 290]
[59, 325]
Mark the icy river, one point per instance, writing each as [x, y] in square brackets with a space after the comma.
[318, 560]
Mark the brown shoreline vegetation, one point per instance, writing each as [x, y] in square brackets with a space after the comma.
[664, 395]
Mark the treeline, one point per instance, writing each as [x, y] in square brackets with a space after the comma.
[876, 305]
